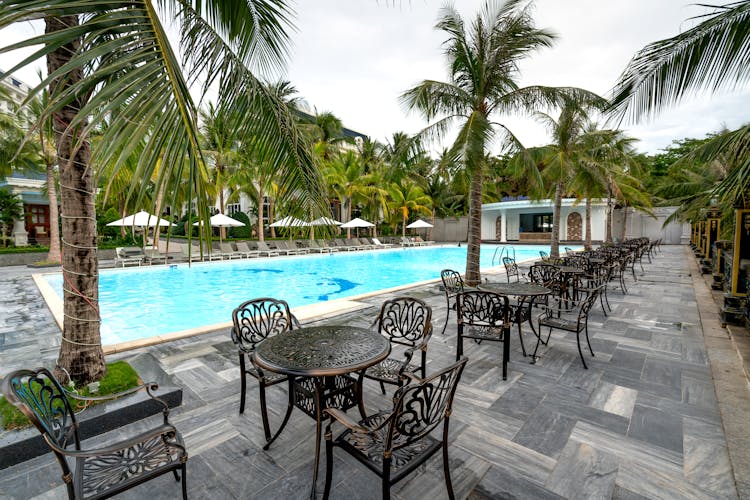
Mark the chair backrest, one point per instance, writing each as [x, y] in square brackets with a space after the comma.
[376, 241]
[40, 397]
[543, 254]
[482, 308]
[419, 407]
[262, 246]
[511, 269]
[405, 321]
[453, 283]
[242, 246]
[545, 275]
[258, 319]
[226, 247]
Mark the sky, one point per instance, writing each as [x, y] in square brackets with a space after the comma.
[355, 57]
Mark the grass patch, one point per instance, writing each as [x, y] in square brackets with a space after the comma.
[120, 376]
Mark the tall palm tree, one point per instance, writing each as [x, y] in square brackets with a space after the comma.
[104, 56]
[346, 177]
[483, 58]
[714, 55]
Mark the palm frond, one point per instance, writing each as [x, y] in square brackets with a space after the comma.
[713, 55]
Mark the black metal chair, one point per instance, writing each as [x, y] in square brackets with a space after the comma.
[549, 276]
[394, 443]
[511, 269]
[453, 284]
[483, 316]
[571, 319]
[405, 321]
[98, 472]
[255, 321]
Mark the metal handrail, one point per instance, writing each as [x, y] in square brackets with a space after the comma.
[504, 250]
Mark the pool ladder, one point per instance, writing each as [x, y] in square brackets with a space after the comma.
[504, 251]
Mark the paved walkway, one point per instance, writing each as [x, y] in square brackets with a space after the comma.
[642, 422]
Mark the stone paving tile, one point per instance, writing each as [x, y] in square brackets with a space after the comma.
[642, 422]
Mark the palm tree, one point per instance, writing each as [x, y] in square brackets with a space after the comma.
[345, 175]
[405, 198]
[713, 55]
[11, 209]
[483, 58]
[104, 56]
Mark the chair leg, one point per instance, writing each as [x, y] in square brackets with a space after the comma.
[289, 407]
[184, 482]
[520, 338]
[580, 352]
[386, 479]
[329, 464]
[264, 411]
[382, 387]
[538, 341]
[243, 383]
[459, 347]
[586, 330]
[447, 471]
[448, 315]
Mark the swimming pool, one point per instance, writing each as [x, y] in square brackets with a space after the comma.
[146, 302]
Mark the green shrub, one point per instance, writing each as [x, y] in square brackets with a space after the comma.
[241, 232]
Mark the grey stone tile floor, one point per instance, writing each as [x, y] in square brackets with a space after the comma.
[642, 422]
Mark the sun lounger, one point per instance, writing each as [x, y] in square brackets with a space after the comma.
[406, 242]
[230, 252]
[191, 253]
[129, 256]
[312, 246]
[324, 244]
[419, 241]
[245, 250]
[354, 243]
[366, 244]
[154, 256]
[378, 244]
[264, 250]
[341, 245]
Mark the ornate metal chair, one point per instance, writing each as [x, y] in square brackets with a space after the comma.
[549, 276]
[571, 319]
[394, 443]
[255, 321]
[98, 472]
[483, 316]
[453, 284]
[511, 269]
[405, 321]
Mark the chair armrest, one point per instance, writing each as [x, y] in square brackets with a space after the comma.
[408, 354]
[121, 445]
[149, 386]
[346, 420]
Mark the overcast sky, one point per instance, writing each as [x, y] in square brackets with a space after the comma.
[355, 57]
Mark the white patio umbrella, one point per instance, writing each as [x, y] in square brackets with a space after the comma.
[321, 221]
[357, 223]
[289, 221]
[221, 220]
[419, 224]
[141, 219]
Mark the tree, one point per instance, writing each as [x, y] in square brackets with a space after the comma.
[104, 56]
[483, 58]
[11, 209]
[713, 55]
[405, 198]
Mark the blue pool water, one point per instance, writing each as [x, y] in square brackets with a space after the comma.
[145, 302]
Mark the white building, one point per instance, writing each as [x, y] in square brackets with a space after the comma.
[528, 220]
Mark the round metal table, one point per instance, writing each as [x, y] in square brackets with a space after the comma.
[321, 353]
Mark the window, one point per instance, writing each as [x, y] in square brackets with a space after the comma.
[542, 223]
[233, 208]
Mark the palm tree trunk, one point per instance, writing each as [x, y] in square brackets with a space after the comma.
[54, 254]
[472, 275]
[623, 233]
[80, 350]
[608, 236]
[348, 203]
[403, 223]
[554, 250]
[587, 240]
[260, 214]
[271, 216]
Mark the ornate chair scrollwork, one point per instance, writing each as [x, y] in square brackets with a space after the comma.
[511, 269]
[453, 284]
[98, 472]
[484, 316]
[394, 443]
[407, 322]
